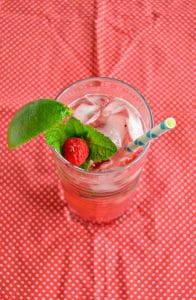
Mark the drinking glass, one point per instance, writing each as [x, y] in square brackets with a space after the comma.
[102, 196]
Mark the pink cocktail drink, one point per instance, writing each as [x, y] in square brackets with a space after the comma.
[104, 191]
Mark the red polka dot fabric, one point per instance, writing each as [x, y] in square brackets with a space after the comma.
[46, 252]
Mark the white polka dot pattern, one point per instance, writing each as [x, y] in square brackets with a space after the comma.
[46, 252]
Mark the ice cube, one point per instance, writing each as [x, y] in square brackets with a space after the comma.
[86, 113]
[100, 100]
[112, 133]
[134, 125]
[130, 114]
[118, 122]
[114, 107]
[114, 128]
[94, 118]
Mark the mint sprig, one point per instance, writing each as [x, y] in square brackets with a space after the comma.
[101, 147]
[47, 116]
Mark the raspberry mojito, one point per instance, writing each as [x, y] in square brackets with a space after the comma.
[88, 128]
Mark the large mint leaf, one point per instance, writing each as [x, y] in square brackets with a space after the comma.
[34, 118]
[101, 146]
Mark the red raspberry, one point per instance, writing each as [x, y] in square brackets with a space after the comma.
[75, 150]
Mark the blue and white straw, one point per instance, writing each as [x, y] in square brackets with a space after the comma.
[151, 135]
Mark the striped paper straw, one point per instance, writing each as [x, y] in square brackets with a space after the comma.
[151, 135]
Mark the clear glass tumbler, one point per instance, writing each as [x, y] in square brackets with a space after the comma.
[102, 196]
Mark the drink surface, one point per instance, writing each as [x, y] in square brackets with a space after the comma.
[115, 118]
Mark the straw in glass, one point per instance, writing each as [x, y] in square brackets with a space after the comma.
[151, 135]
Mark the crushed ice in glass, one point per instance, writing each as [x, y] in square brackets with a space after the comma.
[114, 117]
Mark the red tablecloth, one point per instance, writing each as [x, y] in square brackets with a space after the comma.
[45, 252]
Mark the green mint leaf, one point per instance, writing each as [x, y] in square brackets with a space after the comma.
[56, 136]
[74, 128]
[101, 146]
[34, 118]
[86, 165]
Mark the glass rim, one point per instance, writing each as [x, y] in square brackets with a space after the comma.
[146, 147]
